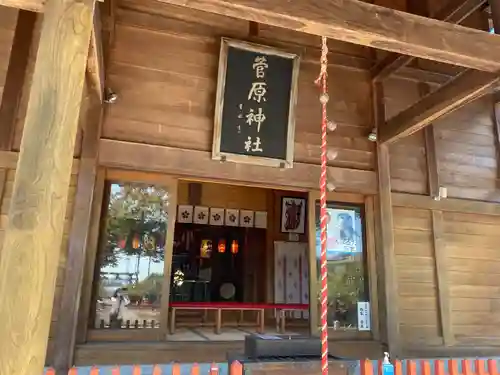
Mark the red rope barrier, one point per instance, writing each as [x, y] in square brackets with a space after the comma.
[322, 81]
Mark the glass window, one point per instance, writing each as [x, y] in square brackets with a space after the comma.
[348, 303]
[132, 257]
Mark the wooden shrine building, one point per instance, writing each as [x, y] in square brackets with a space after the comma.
[159, 178]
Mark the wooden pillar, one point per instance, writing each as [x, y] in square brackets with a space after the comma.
[314, 286]
[80, 228]
[386, 228]
[443, 285]
[495, 16]
[84, 313]
[430, 150]
[28, 265]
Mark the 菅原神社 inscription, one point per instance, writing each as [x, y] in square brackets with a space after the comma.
[256, 95]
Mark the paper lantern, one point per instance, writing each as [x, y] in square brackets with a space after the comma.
[136, 242]
[222, 246]
[234, 247]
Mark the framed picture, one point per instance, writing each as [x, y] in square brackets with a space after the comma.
[293, 215]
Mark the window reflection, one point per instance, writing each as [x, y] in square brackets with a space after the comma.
[348, 306]
[132, 258]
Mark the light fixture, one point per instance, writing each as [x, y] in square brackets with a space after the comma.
[372, 137]
[234, 247]
[222, 246]
[110, 97]
[136, 242]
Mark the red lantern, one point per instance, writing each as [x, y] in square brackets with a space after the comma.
[222, 246]
[234, 247]
[136, 242]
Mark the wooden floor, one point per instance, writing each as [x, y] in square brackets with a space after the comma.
[103, 353]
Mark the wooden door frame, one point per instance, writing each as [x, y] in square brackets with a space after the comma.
[170, 183]
[369, 227]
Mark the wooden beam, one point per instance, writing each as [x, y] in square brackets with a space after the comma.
[198, 165]
[386, 226]
[366, 24]
[468, 85]
[95, 63]
[65, 337]
[454, 12]
[442, 281]
[448, 204]
[430, 150]
[33, 234]
[16, 76]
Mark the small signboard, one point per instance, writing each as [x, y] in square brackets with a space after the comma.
[364, 318]
[255, 105]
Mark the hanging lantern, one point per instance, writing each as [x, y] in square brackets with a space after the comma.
[222, 246]
[234, 247]
[136, 242]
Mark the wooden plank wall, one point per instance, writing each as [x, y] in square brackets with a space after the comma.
[473, 266]
[167, 84]
[418, 310]
[446, 262]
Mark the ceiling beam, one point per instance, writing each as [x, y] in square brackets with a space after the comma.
[455, 11]
[366, 24]
[466, 86]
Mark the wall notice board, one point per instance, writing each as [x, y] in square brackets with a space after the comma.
[255, 105]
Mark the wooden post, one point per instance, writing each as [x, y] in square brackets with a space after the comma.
[430, 150]
[386, 227]
[442, 280]
[28, 265]
[312, 264]
[84, 313]
[80, 228]
[495, 17]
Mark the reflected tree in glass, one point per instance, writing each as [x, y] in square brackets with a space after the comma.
[136, 225]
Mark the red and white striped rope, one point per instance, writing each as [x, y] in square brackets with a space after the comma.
[322, 81]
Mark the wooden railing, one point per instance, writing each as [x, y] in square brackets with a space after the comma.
[433, 367]
[175, 369]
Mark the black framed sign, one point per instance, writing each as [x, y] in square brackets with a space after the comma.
[255, 105]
